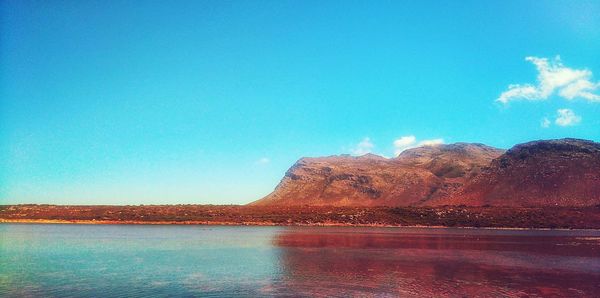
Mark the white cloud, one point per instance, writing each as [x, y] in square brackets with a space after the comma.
[545, 123]
[408, 142]
[514, 91]
[554, 76]
[431, 142]
[566, 117]
[262, 161]
[363, 147]
[405, 141]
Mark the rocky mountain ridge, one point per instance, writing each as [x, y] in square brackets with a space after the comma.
[414, 177]
[562, 172]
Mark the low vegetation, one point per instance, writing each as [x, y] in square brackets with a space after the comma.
[451, 216]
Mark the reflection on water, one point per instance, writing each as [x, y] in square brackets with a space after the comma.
[440, 262]
[142, 261]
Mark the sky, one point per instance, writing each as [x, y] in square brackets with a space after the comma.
[210, 102]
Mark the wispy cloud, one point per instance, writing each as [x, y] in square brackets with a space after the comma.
[554, 77]
[566, 117]
[431, 142]
[405, 141]
[408, 142]
[545, 123]
[363, 147]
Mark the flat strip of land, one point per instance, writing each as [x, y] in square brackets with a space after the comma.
[448, 216]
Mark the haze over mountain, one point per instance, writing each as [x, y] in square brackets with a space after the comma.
[562, 172]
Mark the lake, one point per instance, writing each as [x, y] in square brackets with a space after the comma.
[240, 261]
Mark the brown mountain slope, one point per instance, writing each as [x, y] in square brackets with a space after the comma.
[562, 172]
[415, 177]
[458, 160]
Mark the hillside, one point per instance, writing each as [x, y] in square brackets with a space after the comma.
[562, 172]
[414, 177]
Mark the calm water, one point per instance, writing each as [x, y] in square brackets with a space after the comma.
[138, 260]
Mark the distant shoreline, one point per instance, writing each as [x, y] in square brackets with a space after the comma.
[235, 215]
[205, 223]
[267, 224]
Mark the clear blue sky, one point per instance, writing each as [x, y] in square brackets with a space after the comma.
[128, 102]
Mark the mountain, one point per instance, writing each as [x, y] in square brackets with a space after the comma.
[415, 177]
[563, 172]
[458, 160]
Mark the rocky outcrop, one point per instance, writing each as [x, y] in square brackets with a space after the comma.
[562, 172]
[413, 178]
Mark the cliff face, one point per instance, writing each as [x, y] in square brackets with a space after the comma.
[562, 172]
[413, 178]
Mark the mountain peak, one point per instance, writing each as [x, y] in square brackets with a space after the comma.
[564, 145]
[459, 148]
[564, 172]
[372, 180]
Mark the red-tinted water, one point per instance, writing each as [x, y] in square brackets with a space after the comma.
[439, 262]
[219, 261]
